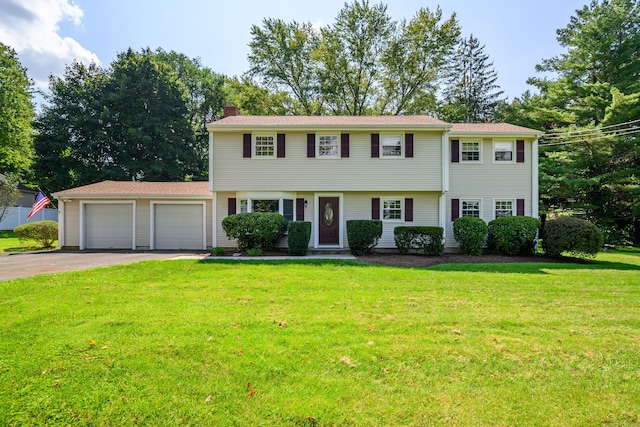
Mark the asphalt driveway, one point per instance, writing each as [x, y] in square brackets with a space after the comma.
[18, 265]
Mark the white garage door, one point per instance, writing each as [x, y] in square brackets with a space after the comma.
[108, 226]
[179, 226]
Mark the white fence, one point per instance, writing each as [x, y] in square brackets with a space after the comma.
[18, 215]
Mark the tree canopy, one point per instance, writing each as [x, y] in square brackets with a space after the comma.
[471, 93]
[16, 113]
[364, 63]
[141, 119]
[590, 157]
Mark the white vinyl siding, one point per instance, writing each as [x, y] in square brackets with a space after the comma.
[488, 181]
[359, 172]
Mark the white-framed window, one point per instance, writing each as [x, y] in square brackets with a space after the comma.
[328, 146]
[470, 208]
[282, 205]
[264, 146]
[503, 208]
[392, 209]
[470, 151]
[391, 146]
[503, 151]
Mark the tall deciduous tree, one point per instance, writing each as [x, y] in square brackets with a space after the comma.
[471, 93]
[364, 63]
[141, 119]
[16, 113]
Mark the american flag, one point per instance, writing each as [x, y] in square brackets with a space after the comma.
[41, 202]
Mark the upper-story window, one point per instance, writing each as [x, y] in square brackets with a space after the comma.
[264, 146]
[470, 151]
[503, 208]
[328, 146]
[470, 208]
[391, 146]
[503, 151]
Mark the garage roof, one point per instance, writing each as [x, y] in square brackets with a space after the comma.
[138, 189]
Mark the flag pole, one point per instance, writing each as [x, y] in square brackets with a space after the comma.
[50, 201]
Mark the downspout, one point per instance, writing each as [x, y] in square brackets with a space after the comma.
[535, 196]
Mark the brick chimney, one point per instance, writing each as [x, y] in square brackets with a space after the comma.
[231, 110]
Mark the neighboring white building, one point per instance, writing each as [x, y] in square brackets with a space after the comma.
[404, 170]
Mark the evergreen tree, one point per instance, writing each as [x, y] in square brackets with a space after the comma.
[471, 94]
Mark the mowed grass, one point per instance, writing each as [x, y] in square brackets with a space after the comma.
[10, 242]
[324, 344]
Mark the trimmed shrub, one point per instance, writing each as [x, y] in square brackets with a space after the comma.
[576, 236]
[513, 235]
[256, 230]
[363, 235]
[471, 233]
[426, 240]
[43, 232]
[299, 236]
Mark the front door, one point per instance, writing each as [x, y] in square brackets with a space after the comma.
[329, 217]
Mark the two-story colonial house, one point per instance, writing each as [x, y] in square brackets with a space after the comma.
[403, 170]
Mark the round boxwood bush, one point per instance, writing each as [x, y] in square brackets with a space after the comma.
[43, 232]
[298, 238]
[363, 235]
[471, 233]
[513, 235]
[576, 236]
[256, 230]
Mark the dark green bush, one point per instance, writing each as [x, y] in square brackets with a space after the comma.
[43, 232]
[426, 240]
[471, 233]
[256, 230]
[299, 236]
[513, 235]
[363, 235]
[573, 235]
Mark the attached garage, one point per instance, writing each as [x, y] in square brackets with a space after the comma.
[134, 215]
[108, 225]
[178, 225]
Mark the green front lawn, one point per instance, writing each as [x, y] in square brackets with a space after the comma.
[324, 344]
[10, 242]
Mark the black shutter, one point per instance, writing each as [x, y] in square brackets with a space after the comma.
[375, 145]
[520, 207]
[246, 145]
[375, 208]
[408, 209]
[408, 145]
[455, 151]
[299, 209]
[231, 206]
[311, 145]
[344, 145]
[520, 151]
[455, 209]
[281, 145]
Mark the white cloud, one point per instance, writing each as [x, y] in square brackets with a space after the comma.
[32, 29]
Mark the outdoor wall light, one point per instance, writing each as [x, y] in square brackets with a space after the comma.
[306, 203]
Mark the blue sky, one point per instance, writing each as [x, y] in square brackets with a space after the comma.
[49, 34]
